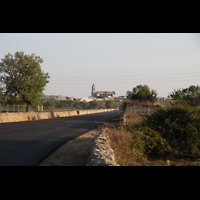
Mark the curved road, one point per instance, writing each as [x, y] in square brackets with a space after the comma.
[29, 143]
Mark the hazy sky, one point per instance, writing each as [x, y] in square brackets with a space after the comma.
[112, 61]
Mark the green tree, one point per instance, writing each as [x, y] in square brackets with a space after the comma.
[102, 104]
[22, 78]
[83, 104]
[2, 97]
[142, 93]
[111, 104]
[76, 104]
[94, 104]
[190, 94]
[70, 103]
[51, 104]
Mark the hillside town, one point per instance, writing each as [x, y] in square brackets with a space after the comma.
[95, 95]
[100, 96]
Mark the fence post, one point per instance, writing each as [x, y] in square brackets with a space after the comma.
[7, 107]
[0, 106]
[18, 107]
[13, 107]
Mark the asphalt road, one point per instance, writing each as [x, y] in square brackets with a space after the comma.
[29, 143]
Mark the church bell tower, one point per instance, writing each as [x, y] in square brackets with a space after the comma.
[93, 90]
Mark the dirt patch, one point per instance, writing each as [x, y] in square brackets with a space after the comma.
[73, 153]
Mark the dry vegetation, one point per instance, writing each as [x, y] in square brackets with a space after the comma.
[169, 137]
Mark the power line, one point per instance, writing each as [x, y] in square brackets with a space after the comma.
[123, 79]
[96, 82]
[128, 79]
[122, 76]
[112, 79]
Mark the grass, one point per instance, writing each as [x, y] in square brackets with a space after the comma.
[169, 137]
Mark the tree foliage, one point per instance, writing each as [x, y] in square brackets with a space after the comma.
[22, 78]
[111, 104]
[94, 104]
[190, 94]
[142, 93]
[69, 104]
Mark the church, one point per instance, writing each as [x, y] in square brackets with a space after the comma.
[101, 94]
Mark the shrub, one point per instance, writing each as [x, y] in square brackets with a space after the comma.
[174, 130]
[142, 93]
[190, 95]
[111, 104]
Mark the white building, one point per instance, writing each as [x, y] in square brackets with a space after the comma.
[164, 99]
[87, 99]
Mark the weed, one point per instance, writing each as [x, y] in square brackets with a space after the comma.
[168, 162]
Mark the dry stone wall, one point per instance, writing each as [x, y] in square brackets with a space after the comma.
[101, 152]
[24, 116]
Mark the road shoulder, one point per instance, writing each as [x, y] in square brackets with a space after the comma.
[76, 152]
[73, 153]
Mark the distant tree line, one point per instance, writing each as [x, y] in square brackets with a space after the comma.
[69, 104]
[190, 95]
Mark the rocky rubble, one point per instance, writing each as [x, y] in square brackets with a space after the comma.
[101, 153]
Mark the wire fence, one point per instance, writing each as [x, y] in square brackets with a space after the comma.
[17, 108]
[134, 110]
[141, 110]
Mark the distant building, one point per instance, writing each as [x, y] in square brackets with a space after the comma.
[102, 94]
[87, 99]
[69, 98]
[58, 97]
[63, 98]
[164, 99]
[119, 99]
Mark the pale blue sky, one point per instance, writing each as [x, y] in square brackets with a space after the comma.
[112, 61]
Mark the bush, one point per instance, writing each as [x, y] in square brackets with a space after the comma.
[174, 130]
[111, 104]
[191, 95]
[142, 93]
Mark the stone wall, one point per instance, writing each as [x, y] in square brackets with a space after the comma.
[24, 116]
[140, 109]
[101, 152]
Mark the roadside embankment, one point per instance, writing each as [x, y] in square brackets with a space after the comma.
[24, 116]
